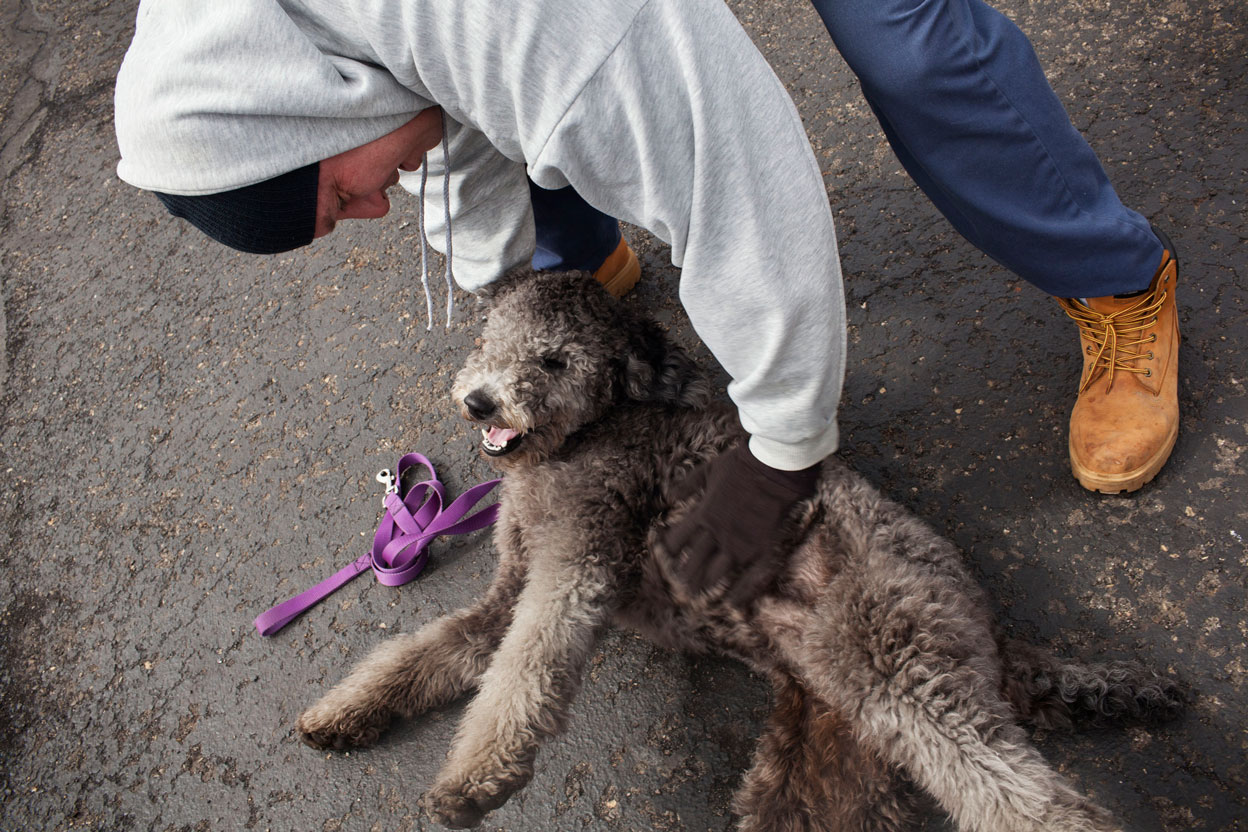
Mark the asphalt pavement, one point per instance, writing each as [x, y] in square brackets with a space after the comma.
[189, 435]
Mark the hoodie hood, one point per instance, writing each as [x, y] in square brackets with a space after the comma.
[213, 96]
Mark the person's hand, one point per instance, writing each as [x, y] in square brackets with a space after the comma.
[734, 532]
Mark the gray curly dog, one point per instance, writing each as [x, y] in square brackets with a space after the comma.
[893, 688]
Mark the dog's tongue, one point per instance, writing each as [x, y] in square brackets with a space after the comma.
[499, 437]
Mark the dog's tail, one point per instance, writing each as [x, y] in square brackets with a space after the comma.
[1052, 692]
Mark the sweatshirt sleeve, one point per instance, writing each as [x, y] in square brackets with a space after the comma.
[684, 130]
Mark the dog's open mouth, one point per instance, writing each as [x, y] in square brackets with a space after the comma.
[497, 441]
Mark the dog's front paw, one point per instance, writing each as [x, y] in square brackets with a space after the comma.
[462, 802]
[451, 809]
[330, 725]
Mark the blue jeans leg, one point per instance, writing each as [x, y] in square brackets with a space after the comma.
[570, 233]
[965, 105]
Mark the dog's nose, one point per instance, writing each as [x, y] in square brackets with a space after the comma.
[480, 406]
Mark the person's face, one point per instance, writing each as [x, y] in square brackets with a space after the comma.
[352, 185]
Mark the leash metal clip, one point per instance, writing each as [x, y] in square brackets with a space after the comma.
[387, 478]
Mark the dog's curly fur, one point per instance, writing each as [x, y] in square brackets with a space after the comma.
[892, 688]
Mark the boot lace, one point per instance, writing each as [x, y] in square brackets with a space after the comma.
[1117, 338]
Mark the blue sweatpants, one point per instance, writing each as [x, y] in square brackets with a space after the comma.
[965, 105]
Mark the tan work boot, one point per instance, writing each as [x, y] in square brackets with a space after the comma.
[1126, 418]
[620, 271]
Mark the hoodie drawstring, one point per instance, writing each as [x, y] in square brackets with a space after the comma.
[424, 240]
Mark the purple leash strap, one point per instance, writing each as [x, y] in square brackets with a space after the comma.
[401, 544]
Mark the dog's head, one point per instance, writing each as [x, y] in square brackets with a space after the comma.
[556, 354]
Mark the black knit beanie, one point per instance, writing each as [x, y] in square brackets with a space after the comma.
[272, 216]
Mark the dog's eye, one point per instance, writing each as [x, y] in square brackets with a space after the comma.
[554, 363]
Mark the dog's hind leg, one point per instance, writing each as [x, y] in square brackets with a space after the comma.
[525, 694]
[409, 674]
[915, 667]
[811, 774]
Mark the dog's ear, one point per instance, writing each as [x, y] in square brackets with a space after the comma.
[657, 370]
[491, 293]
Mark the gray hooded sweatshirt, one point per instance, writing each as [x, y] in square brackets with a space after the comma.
[659, 112]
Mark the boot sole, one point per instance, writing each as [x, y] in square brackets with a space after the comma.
[1128, 481]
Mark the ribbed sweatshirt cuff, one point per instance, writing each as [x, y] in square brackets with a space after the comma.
[789, 456]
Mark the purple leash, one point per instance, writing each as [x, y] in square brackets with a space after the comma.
[401, 544]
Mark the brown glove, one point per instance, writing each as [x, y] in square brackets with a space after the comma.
[734, 531]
